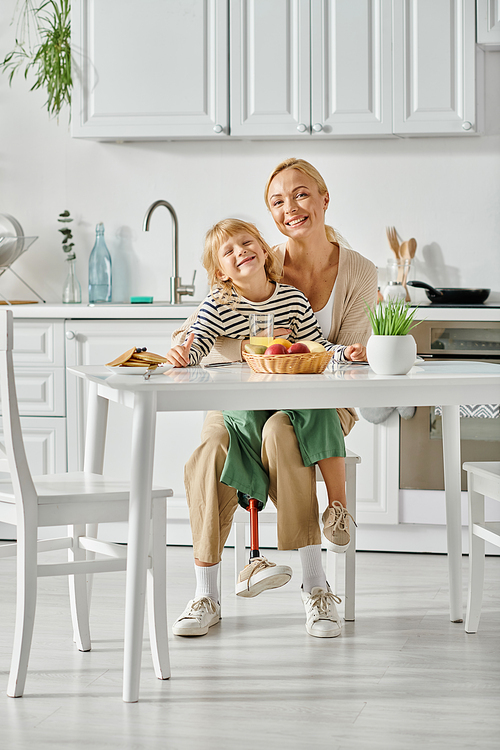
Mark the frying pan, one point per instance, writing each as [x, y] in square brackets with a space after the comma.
[452, 296]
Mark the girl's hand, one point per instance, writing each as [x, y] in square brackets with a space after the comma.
[178, 356]
[355, 353]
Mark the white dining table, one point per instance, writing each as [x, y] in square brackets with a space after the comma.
[445, 384]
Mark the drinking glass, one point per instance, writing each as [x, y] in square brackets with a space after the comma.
[261, 328]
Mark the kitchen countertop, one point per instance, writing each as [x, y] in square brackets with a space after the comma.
[105, 312]
[158, 311]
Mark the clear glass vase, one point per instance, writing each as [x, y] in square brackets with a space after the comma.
[72, 291]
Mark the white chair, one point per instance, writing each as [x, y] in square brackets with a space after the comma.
[483, 479]
[73, 499]
[269, 515]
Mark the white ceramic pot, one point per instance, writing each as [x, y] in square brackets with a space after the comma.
[391, 355]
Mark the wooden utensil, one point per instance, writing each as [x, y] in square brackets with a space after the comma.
[392, 236]
[406, 271]
[412, 247]
[404, 256]
[404, 250]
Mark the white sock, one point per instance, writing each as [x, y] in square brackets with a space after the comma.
[312, 568]
[206, 581]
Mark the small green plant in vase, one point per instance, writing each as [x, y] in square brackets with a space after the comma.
[72, 291]
[391, 349]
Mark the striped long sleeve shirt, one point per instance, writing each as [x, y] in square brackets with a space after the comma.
[291, 310]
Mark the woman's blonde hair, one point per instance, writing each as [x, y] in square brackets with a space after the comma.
[215, 237]
[301, 165]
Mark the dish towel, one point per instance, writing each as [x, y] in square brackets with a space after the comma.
[378, 414]
[476, 411]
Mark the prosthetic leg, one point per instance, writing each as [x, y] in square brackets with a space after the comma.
[253, 509]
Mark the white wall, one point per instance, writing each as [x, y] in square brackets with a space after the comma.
[445, 192]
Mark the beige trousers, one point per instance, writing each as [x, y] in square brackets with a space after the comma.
[212, 505]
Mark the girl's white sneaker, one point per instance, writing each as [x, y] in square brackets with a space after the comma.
[260, 575]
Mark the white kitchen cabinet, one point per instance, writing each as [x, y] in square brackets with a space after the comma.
[149, 70]
[435, 67]
[40, 383]
[317, 68]
[94, 342]
[296, 69]
[488, 24]
[45, 444]
[40, 372]
[351, 79]
[377, 481]
[270, 68]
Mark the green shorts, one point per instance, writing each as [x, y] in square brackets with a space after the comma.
[319, 435]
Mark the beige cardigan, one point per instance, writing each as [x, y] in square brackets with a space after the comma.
[356, 284]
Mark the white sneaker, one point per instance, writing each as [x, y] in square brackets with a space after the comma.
[199, 615]
[260, 575]
[322, 618]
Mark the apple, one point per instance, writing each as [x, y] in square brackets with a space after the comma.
[314, 346]
[285, 343]
[298, 348]
[276, 349]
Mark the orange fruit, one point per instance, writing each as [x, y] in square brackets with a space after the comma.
[285, 343]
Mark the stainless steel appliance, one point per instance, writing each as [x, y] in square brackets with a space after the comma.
[421, 455]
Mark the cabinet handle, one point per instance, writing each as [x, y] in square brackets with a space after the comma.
[70, 335]
[301, 127]
[218, 128]
[317, 127]
[467, 125]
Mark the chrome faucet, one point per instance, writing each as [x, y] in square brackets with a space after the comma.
[177, 289]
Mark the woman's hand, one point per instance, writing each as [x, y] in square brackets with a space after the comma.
[355, 353]
[178, 356]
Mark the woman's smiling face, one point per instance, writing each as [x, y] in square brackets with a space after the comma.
[296, 204]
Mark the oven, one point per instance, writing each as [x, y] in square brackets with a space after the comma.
[421, 454]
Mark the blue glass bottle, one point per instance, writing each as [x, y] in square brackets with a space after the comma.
[99, 269]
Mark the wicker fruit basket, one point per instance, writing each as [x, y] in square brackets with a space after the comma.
[291, 364]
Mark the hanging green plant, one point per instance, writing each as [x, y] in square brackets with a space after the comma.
[49, 56]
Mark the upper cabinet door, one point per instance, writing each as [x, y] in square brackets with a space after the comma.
[434, 67]
[150, 69]
[270, 73]
[351, 67]
[488, 24]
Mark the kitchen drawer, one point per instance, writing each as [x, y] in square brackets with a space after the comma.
[45, 446]
[44, 443]
[41, 391]
[39, 342]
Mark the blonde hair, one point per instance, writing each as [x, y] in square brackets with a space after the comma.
[301, 165]
[215, 238]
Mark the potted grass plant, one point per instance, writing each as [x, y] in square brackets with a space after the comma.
[391, 349]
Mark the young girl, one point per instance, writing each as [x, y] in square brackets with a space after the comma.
[243, 276]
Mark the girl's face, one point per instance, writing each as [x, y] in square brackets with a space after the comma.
[240, 258]
[296, 204]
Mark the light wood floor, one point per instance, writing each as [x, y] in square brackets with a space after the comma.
[402, 676]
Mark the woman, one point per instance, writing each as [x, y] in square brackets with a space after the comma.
[338, 282]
